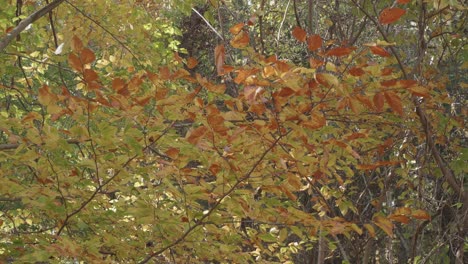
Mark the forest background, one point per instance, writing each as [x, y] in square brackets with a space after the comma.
[235, 131]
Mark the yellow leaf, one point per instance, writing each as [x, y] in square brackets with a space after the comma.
[385, 224]
[370, 229]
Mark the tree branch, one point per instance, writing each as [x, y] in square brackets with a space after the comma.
[5, 41]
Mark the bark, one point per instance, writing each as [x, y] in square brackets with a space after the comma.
[5, 41]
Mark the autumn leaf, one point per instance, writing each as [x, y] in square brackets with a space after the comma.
[379, 101]
[192, 62]
[241, 40]
[236, 28]
[314, 64]
[314, 42]
[399, 218]
[340, 51]
[76, 44]
[90, 75]
[75, 62]
[403, 1]
[299, 34]
[356, 71]
[394, 101]
[370, 229]
[219, 59]
[420, 214]
[195, 135]
[390, 15]
[87, 56]
[385, 224]
[379, 51]
[419, 91]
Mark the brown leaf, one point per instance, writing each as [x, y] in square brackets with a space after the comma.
[90, 75]
[420, 214]
[394, 101]
[192, 63]
[299, 34]
[75, 62]
[76, 44]
[340, 52]
[379, 51]
[403, 1]
[118, 84]
[314, 42]
[314, 64]
[379, 101]
[399, 218]
[219, 59]
[390, 15]
[87, 56]
[356, 71]
[196, 134]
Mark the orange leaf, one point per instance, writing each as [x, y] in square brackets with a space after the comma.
[403, 1]
[420, 214]
[76, 44]
[192, 63]
[386, 71]
[236, 28]
[196, 134]
[388, 83]
[340, 52]
[379, 101]
[74, 62]
[402, 211]
[87, 56]
[394, 101]
[379, 51]
[314, 42]
[219, 59]
[399, 218]
[385, 224]
[390, 15]
[356, 71]
[241, 40]
[173, 153]
[299, 33]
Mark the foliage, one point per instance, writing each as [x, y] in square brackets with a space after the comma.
[114, 147]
